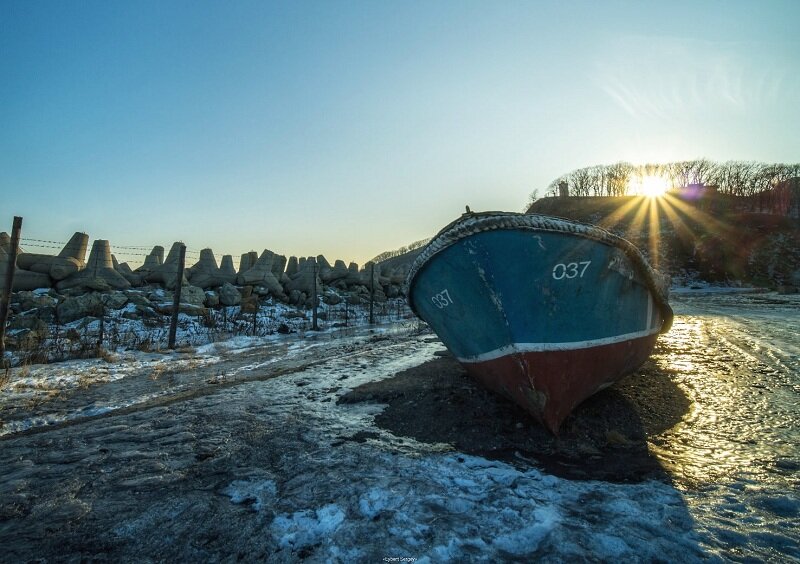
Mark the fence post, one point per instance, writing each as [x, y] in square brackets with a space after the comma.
[371, 293]
[9, 284]
[314, 325]
[176, 302]
[101, 336]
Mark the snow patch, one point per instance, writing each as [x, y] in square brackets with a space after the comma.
[308, 527]
[260, 494]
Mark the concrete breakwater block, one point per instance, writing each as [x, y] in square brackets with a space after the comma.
[127, 272]
[70, 260]
[261, 274]
[205, 273]
[167, 273]
[291, 267]
[23, 279]
[152, 261]
[99, 273]
[305, 278]
[247, 261]
[337, 272]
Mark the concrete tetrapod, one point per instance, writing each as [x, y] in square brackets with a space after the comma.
[304, 279]
[291, 267]
[226, 271]
[205, 272]
[261, 274]
[168, 272]
[23, 279]
[323, 267]
[99, 273]
[70, 260]
[152, 262]
[279, 266]
[353, 275]
[124, 268]
[247, 261]
[337, 272]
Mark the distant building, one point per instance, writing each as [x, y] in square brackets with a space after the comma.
[563, 189]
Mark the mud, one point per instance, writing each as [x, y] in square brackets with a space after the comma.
[370, 446]
[605, 438]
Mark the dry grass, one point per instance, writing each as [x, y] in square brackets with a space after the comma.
[158, 371]
[40, 398]
[107, 355]
[25, 370]
[86, 380]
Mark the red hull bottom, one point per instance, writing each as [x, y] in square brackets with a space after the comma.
[550, 384]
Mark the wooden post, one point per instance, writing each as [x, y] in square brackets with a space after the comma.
[102, 312]
[9, 284]
[314, 325]
[176, 302]
[371, 293]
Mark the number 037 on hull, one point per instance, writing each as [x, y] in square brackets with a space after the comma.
[543, 310]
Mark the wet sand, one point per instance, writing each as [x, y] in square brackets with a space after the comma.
[212, 467]
[605, 438]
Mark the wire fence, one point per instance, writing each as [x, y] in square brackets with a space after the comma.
[123, 253]
[32, 244]
[106, 329]
[38, 335]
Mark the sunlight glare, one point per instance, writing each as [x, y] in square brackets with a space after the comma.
[653, 186]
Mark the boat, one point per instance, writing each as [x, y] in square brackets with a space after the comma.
[543, 310]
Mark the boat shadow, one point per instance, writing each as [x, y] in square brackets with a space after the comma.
[605, 438]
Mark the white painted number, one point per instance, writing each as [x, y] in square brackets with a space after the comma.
[442, 299]
[570, 270]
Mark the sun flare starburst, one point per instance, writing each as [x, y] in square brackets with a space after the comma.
[651, 186]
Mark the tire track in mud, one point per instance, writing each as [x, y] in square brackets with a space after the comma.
[210, 379]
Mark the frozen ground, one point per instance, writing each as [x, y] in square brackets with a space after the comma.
[239, 450]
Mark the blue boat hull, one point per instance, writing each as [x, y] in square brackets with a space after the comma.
[546, 318]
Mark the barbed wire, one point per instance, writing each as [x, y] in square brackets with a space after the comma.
[126, 250]
[37, 243]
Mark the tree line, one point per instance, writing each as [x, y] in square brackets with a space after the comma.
[386, 255]
[736, 178]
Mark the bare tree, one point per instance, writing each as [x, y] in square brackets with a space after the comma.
[618, 176]
[704, 172]
[598, 182]
[532, 197]
[580, 181]
[735, 177]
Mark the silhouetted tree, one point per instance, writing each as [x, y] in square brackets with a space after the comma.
[743, 179]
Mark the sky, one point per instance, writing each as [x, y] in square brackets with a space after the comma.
[350, 128]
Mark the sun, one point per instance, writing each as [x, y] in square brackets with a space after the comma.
[654, 186]
[649, 185]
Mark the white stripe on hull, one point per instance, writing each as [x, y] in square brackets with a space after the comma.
[544, 347]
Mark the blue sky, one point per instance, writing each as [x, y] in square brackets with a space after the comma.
[351, 128]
